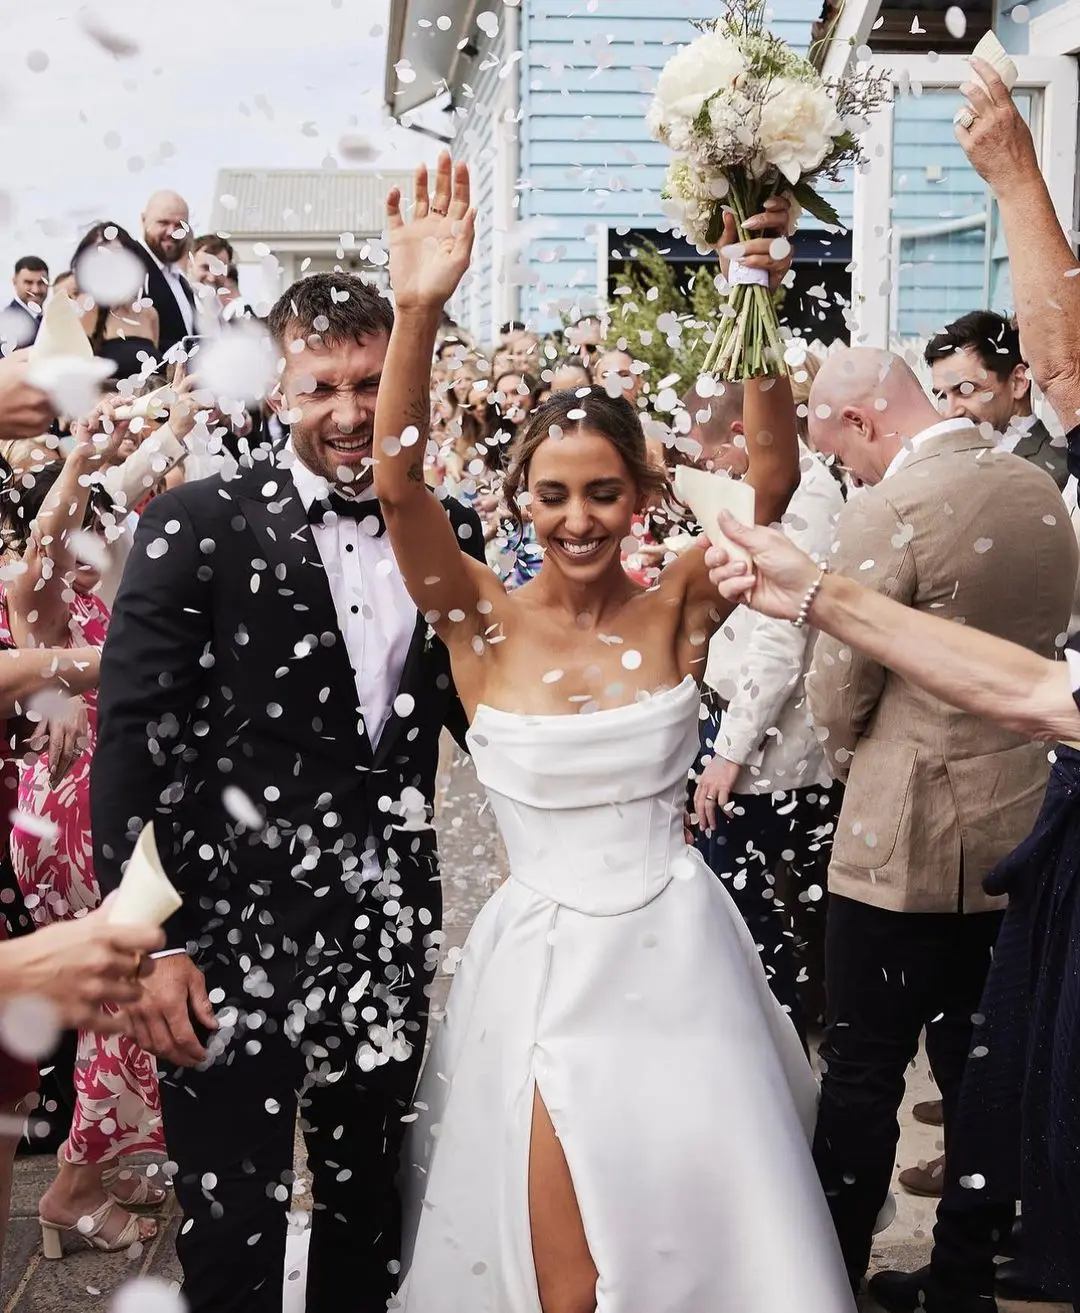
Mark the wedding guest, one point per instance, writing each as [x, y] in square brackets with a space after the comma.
[933, 800]
[52, 602]
[620, 374]
[21, 317]
[1031, 697]
[25, 411]
[64, 284]
[127, 334]
[84, 969]
[765, 796]
[568, 375]
[166, 241]
[980, 374]
[279, 776]
[586, 335]
[209, 259]
[988, 1135]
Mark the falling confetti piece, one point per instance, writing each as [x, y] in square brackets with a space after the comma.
[631, 659]
[148, 1295]
[111, 275]
[37, 61]
[983, 545]
[241, 808]
[552, 676]
[116, 43]
[955, 22]
[29, 1027]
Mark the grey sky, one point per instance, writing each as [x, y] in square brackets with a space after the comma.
[93, 134]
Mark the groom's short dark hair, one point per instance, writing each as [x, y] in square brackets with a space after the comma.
[338, 307]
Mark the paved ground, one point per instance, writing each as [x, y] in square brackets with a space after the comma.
[473, 866]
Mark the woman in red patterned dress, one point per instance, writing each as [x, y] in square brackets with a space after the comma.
[58, 512]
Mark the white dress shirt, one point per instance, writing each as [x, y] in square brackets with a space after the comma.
[375, 613]
[913, 444]
[172, 274]
[758, 664]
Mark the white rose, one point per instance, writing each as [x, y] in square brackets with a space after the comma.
[693, 74]
[797, 126]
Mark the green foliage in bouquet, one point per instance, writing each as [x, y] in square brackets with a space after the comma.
[668, 328]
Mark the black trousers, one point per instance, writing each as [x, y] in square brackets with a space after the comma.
[888, 975]
[230, 1130]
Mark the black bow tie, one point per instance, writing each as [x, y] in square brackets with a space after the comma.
[349, 508]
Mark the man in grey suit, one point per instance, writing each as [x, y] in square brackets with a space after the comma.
[935, 797]
[980, 374]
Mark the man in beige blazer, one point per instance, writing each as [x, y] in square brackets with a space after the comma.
[934, 797]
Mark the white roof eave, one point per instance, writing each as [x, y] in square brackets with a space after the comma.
[414, 35]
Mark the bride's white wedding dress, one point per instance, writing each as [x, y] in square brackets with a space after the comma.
[613, 973]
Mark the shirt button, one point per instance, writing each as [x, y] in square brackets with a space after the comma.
[355, 610]
[349, 547]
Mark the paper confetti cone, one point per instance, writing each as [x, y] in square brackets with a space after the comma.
[991, 49]
[60, 332]
[709, 494]
[146, 895]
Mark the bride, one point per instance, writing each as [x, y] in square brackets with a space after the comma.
[615, 1115]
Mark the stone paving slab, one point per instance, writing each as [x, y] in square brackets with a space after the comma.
[473, 865]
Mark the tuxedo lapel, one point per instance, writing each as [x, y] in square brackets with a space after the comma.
[1032, 442]
[302, 598]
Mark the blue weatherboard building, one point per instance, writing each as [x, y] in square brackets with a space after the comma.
[546, 99]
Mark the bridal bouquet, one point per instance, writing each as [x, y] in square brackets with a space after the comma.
[748, 118]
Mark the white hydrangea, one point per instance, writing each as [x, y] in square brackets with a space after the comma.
[691, 77]
[797, 126]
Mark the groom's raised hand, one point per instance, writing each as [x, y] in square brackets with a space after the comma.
[430, 252]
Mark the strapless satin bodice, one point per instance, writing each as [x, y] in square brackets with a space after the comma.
[566, 788]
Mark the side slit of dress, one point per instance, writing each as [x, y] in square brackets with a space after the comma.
[562, 1260]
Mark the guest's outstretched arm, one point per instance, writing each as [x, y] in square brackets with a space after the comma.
[1041, 261]
[969, 669]
[429, 255]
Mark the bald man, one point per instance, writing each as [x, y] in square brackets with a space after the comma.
[166, 241]
[935, 798]
[716, 425]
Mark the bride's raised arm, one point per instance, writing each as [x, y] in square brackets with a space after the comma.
[772, 445]
[429, 255]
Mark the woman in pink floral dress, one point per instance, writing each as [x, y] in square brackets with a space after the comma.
[57, 518]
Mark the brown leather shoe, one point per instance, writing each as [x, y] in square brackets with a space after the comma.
[927, 1179]
[929, 1113]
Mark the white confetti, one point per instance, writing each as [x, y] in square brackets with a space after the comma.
[982, 545]
[38, 826]
[404, 704]
[112, 275]
[148, 1295]
[955, 22]
[356, 147]
[241, 808]
[240, 366]
[552, 676]
[631, 659]
[29, 1027]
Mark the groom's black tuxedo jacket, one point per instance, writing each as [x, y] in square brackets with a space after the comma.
[225, 667]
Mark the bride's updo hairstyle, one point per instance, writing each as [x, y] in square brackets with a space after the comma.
[613, 418]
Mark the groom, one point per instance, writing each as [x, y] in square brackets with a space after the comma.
[271, 699]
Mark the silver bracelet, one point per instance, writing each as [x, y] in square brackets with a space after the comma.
[810, 597]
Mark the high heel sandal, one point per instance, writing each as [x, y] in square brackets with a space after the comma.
[88, 1230]
[143, 1194]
